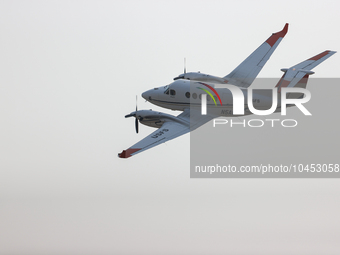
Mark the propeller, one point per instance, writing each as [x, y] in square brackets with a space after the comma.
[136, 121]
[134, 114]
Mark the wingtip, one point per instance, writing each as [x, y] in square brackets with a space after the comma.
[285, 29]
[127, 153]
[283, 32]
[275, 36]
[122, 154]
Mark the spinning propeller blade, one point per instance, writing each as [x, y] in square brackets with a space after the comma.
[134, 114]
[136, 121]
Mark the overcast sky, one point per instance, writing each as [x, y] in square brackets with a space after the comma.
[70, 71]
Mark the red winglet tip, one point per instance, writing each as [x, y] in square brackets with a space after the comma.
[273, 39]
[320, 55]
[122, 154]
[285, 29]
[127, 153]
[283, 32]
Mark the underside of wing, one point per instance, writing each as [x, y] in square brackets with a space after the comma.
[173, 127]
[167, 132]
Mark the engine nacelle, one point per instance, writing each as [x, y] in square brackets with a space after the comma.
[152, 118]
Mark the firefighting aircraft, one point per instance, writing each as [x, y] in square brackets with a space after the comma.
[185, 93]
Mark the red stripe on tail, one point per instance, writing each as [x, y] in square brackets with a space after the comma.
[317, 57]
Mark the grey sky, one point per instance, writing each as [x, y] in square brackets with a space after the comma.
[70, 71]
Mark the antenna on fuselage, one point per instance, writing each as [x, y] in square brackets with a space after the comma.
[185, 68]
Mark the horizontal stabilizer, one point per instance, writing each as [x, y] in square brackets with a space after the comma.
[293, 75]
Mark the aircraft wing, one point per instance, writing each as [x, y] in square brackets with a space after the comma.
[172, 128]
[244, 74]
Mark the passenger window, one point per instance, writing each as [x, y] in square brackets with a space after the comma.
[194, 96]
[187, 94]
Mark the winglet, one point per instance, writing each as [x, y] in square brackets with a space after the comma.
[273, 39]
[127, 153]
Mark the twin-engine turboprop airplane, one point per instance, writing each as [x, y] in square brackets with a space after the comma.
[185, 94]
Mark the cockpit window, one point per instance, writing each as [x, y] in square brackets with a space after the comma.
[181, 76]
[172, 92]
[166, 89]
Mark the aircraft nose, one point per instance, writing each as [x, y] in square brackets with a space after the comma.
[147, 95]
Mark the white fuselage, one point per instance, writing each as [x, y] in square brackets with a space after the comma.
[184, 94]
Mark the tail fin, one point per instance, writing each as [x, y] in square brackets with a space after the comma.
[244, 74]
[297, 76]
